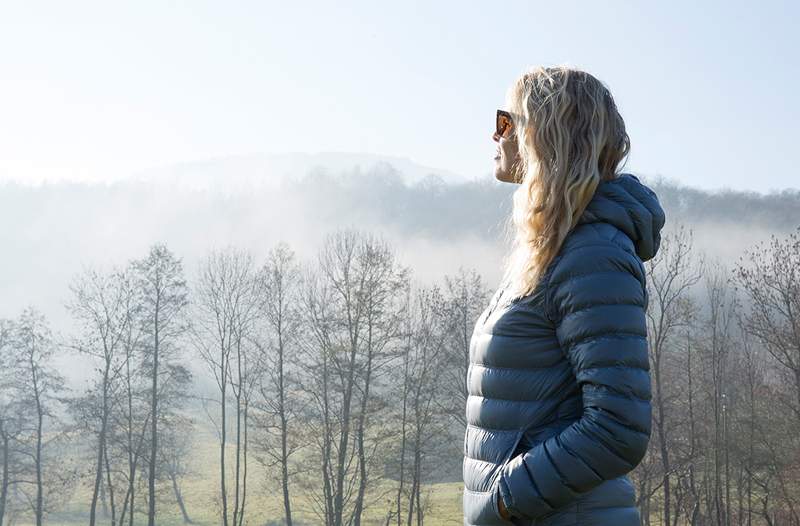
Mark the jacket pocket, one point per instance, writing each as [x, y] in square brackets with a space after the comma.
[481, 507]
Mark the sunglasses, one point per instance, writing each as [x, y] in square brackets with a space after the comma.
[504, 124]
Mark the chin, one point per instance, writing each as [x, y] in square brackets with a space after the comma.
[498, 171]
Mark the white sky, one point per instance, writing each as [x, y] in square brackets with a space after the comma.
[99, 90]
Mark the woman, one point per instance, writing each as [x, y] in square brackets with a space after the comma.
[559, 410]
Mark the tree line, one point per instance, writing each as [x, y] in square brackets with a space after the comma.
[338, 389]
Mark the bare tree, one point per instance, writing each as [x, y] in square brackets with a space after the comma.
[770, 278]
[11, 418]
[226, 310]
[276, 409]
[670, 276]
[40, 388]
[718, 346]
[425, 420]
[132, 417]
[384, 278]
[98, 305]
[165, 298]
[353, 320]
[751, 376]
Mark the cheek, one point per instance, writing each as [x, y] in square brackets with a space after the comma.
[509, 150]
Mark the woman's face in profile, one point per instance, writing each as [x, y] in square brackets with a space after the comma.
[507, 155]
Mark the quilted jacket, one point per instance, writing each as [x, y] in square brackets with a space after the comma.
[559, 394]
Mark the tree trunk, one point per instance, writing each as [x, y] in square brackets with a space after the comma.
[151, 478]
[179, 499]
[4, 487]
[101, 446]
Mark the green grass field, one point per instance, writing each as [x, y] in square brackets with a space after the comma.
[264, 503]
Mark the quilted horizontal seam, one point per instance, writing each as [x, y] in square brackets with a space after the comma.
[548, 399]
[593, 507]
[613, 392]
[478, 492]
[515, 430]
[487, 366]
[608, 243]
[601, 304]
[616, 233]
[561, 476]
[612, 366]
[607, 335]
[551, 284]
[599, 232]
[604, 446]
[626, 425]
[482, 461]
[563, 446]
[611, 416]
[592, 273]
[533, 484]
[612, 335]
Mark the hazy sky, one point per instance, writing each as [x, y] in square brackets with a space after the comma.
[93, 90]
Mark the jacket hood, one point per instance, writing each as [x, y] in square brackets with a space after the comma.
[631, 206]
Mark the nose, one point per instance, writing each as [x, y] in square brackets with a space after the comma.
[495, 137]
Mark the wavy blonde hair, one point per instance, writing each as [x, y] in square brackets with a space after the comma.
[570, 138]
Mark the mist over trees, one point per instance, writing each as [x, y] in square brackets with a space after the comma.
[265, 381]
[56, 228]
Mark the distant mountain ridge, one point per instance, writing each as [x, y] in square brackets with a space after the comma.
[243, 173]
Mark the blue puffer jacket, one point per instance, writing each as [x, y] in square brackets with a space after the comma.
[559, 410]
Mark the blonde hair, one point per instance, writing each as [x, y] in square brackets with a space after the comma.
[570, 138]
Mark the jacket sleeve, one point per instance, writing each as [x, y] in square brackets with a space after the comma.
[596, 299]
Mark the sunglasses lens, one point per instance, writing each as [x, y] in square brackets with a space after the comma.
[504, 125]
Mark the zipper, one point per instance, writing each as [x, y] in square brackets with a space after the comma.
[495, 301]
[507, 457]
